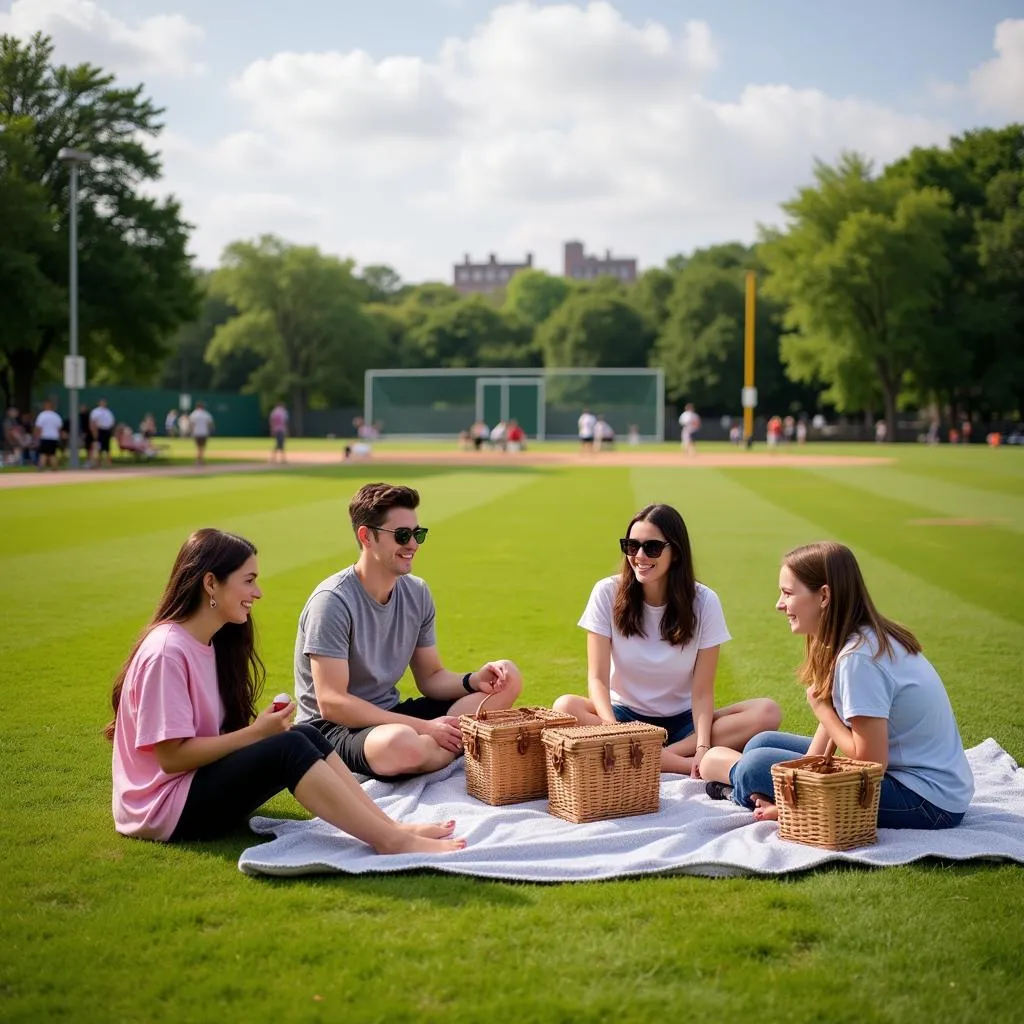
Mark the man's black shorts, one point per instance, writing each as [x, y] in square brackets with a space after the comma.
[351, 743]
[103, 440]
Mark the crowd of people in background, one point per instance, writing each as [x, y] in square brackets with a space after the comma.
[43, 440]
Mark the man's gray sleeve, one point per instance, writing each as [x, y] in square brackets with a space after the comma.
[428, 636]
[327, 626]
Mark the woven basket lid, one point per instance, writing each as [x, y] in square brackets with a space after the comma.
[582, 737]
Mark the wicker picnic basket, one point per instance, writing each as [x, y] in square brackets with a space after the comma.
[603, 771]
[828, 801]
[504, 755]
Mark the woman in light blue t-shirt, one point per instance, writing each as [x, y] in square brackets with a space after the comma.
[653, 634]
[875, 695]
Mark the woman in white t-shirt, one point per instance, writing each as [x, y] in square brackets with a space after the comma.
[653, 634]
[874, 694]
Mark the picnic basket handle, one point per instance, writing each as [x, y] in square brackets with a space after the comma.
[830, 752]
[481, 715]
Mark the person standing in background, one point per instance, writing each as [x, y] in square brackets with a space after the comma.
[48, 426]
[278, 431]
[202, 428]
[585, 428]
[171, 423]
[101, 426]
[689, 421]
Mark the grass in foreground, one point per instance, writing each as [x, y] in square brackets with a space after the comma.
[95, 927]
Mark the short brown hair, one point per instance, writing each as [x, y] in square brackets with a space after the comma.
[373, 502]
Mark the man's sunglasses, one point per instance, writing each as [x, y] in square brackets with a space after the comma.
[651, 548]
[404, 534]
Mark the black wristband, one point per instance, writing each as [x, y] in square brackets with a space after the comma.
[465, 683]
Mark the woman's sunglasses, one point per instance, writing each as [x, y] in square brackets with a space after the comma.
[404, 534]
[651, 548]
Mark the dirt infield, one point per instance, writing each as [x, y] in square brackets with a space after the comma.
[249, 460]
[626, 457]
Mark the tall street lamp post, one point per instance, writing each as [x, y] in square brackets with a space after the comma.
[74, 365]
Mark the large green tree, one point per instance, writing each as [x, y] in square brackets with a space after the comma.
[471, 332]
[595, 328]
[533, 295]
[701, 346]
[300, 312]
[135, 283]
[975, 344]
[860, 265]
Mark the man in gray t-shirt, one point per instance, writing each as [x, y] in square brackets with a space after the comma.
[358, 633]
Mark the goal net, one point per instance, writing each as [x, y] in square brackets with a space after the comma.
[546, 403]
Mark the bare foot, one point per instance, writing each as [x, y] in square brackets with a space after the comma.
[408, 842]
[441, 831]
[765, 810]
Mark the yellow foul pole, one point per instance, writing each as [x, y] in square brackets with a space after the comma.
[749, 394]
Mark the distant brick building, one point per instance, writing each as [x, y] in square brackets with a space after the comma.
[582, 267]
[491, 276]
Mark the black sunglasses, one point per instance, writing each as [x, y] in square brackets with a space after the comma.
[404, 534]
[651, 548]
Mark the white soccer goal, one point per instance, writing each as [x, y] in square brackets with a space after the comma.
[545, 402]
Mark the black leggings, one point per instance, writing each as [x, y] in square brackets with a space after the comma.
[223, 794]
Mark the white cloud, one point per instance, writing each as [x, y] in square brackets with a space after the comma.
[998, 84]
[540, 124]
[83, 31]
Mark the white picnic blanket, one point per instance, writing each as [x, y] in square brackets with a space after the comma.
[690, 834]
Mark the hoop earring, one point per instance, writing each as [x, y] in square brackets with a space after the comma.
[213, 602]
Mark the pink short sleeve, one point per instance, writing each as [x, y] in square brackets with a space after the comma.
[164, 704]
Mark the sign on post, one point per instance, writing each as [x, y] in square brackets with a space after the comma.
[184, 402]
[74, 372]
[748, 397]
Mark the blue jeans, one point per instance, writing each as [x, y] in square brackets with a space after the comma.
[678, 726]
[898, 806]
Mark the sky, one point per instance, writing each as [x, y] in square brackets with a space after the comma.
[415, 132]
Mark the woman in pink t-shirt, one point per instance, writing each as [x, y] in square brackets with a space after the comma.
[192, 758]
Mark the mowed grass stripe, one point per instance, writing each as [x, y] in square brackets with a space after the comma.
[980, 565]
[1006, 479]
[938, 495]
[739, 538]
[306, 525]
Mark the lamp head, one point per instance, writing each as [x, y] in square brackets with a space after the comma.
[74, 156]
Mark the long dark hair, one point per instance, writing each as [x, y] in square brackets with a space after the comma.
[240, 672]
[849, 611]
[679, 620]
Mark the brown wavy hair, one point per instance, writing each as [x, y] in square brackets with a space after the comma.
[849, 612]
[240, 671]
[679, 620]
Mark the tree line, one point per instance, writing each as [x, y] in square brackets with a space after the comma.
[884, 289]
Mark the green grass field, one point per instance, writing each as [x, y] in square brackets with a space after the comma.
[97, 927]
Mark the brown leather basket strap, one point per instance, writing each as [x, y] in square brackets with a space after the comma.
[608, 758]
[830, 750]
[472, 746]
[789, 788]
[636, 754]
[867, 788]
[522, 740]
[558, 756]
